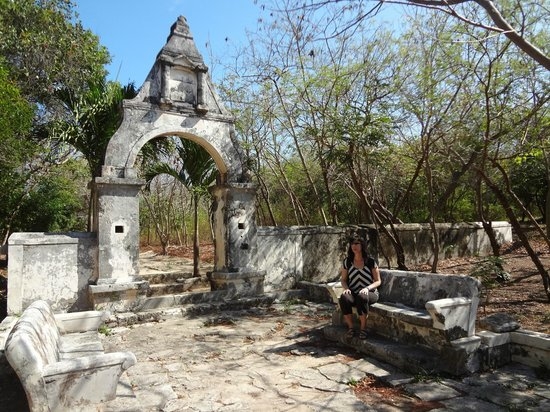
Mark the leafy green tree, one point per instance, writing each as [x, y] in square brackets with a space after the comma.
[15, 123]
[92, 118]
[528, 179]
[56, 203]
[46, 49]
[196, 170]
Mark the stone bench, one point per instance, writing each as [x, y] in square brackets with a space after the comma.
[433, 311]
[60, 360]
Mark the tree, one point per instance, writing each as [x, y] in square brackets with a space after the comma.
[44, 49]
[501, 24]
[196, 170]
[525, 37]
[528, 179]
[92, 118]
[15, 123]
[55, 204]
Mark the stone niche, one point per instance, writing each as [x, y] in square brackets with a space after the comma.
[182, 85]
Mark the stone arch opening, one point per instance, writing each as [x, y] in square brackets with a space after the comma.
[219, 159]
[176, 99]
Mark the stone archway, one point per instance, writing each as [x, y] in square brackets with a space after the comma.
[177, 98]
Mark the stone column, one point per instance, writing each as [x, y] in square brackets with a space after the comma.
[235, 240]
[116, 286]
[117, 220]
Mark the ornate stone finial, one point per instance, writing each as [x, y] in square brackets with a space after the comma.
[183, 71]
[180, 48]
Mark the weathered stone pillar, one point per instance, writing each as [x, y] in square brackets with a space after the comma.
[235, 240]
[116, 286]
[117, 220]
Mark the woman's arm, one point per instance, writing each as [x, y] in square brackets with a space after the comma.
[344, 280]
[376, 277]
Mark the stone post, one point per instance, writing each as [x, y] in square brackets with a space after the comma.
[235, 240]
[117, 286]
[117, 220]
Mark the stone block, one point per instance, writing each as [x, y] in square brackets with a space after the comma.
[499, 322]
[452, 313]
[118, 297]
[238, 284]
[531, 348]
[492, 339]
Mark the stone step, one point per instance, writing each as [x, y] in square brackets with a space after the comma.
[160, 289]
[155, 308]
[165, 277]
[413, 359]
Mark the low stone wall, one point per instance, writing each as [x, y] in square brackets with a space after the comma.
[455, 240]
[57, 267]
[52, 267]
[314, 253]
[292, 254]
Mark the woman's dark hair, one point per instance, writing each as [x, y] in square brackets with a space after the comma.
[351, 255]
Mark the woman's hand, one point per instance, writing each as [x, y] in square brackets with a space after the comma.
[346, 292]
[365, 290]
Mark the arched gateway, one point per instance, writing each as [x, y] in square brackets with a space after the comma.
[177, 98]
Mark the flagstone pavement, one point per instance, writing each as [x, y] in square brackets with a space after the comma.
[276, 358]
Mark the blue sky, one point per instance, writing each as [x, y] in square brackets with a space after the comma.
[134, 31]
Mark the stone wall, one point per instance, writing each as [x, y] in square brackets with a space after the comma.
[292, 254]
[455, 240]
[57, 267]
[314, 253]
[49, 266]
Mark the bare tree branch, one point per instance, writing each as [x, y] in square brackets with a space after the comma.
[501, 24]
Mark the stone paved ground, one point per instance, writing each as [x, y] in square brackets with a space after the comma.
[276, 359]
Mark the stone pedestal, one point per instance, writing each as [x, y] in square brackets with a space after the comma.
[238, 284]
[117, 220]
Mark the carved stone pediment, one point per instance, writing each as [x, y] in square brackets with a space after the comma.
[179, 79]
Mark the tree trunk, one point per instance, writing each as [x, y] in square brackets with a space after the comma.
[196, 251]
[486, 225]
[519, 232]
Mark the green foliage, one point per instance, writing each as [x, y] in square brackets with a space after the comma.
[46, 48]
[529, 181]
[44, 51]
[94, 117]
[15, 151]
[15, 122]
[55, 204]
[352, 382]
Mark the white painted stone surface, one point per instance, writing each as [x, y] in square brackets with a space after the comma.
[57, 377]
[531, 348]
[51, 267]
[453, 312]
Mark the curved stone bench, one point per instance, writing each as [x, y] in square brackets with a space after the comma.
[429, 310]
[63, 371]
